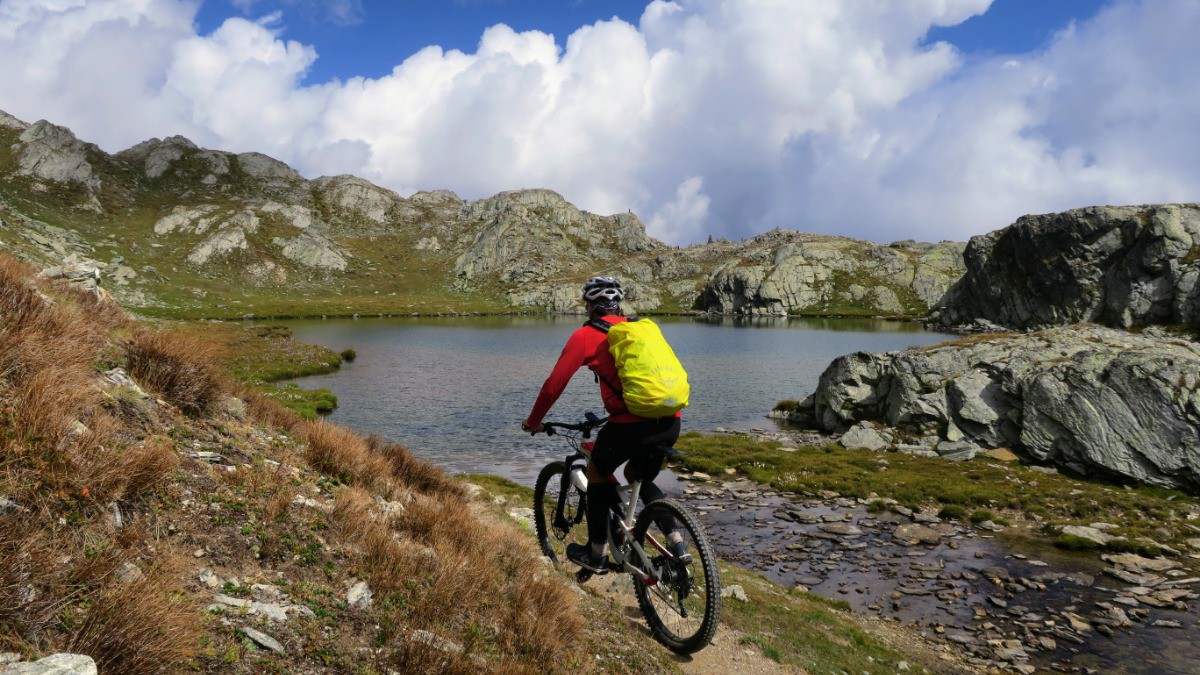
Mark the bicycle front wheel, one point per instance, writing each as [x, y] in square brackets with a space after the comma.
[555, 530]
[683, 604]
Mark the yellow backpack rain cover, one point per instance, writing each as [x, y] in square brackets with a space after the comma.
[653, 381]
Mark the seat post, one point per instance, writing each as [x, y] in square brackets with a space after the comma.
[634, 488]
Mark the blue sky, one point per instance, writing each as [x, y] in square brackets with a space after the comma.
[378, 34]
[883, 120]
[370, 37]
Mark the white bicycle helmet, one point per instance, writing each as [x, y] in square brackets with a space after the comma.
[602, 291]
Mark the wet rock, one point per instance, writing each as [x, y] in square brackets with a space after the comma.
[840, 529]
[1139, 563]
[911, 534]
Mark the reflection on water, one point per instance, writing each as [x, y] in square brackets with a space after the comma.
[456, 389]
[863, 325]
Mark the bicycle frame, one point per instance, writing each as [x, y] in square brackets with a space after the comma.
[626, 507]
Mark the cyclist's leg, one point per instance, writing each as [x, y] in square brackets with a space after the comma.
[659, 433]
[608, 453]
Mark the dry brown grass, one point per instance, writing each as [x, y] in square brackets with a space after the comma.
[61, 590]
[343, 454]
[139, 626]
[181, 368]
[63, 458]
[443, 569]
[268, 412]
[414, 472]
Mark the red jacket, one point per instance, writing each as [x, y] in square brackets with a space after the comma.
[587, 346]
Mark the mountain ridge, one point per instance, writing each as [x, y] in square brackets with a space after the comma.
[174, 229]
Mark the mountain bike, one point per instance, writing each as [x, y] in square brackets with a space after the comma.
[680, 597]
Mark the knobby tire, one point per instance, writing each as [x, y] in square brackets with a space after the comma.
[705, 580]
[545, 502]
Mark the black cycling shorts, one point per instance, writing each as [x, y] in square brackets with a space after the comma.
[620, 443]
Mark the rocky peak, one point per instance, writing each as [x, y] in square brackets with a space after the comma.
[268, 169]
[53, 153]
[10, 122]
[363, 198]
[157, 156]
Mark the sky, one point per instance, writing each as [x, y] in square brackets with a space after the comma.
[905, 119]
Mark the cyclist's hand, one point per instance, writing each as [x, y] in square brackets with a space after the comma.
[532, 429]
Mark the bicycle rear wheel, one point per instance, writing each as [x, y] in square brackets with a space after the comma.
[683, 604]
[555, 533]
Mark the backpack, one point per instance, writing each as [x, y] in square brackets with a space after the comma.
[653, 382]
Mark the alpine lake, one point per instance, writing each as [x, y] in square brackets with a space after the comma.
[456, 389]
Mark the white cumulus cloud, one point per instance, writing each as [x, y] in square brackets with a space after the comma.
[723, 117]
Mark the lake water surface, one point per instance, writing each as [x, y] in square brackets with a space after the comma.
[456, 389]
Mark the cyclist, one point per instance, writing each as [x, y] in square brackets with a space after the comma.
[625, 439]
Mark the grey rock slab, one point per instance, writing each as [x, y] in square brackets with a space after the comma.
[1089, 533]
[863, 435]
[911, 534]
[272, 611]
[842, 529]
[55, 664]
[736, 592]
[262, 639]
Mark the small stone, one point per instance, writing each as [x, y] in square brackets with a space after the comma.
[1167, 623]
[735, 592]
[129, 573]
[264, 640]
[209, 579]
[359, 596]
[199, 553]
[231, 601]
[273, 612]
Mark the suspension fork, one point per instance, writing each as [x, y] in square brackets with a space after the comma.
[573, 476]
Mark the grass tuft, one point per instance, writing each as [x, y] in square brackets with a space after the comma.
[181, 368]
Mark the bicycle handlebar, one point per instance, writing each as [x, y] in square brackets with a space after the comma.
[590, 422]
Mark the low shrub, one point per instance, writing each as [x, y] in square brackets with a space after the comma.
[982, 515]
[788, 405]
[953, 512]
[349, 354]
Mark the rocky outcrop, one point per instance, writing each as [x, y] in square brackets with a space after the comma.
[1119, 266]
[52, 153]
[356, 197]
[219, 244]
[528, 235]
[312, 250]
[1088, 398]
[784, 272]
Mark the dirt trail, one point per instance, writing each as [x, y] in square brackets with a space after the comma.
[726, 654]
